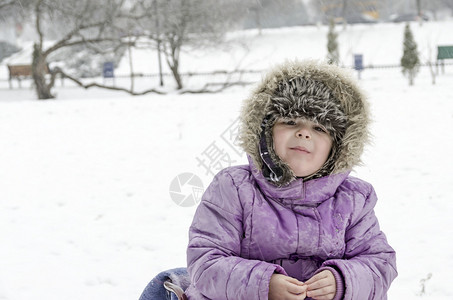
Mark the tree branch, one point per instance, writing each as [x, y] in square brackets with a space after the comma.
[205, 90]
[38, 23]
[64, 41]
[6, 4]
[227, 84]
[94, 84]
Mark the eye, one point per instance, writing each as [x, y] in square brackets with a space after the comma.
[319, 129]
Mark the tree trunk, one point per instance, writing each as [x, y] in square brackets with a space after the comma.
[258, 19]
[173, 63]
[131, 65]
[433, 72]
[343, 14]
[176, 75]
[39, 70]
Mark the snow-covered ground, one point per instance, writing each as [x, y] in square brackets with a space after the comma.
[85, 208]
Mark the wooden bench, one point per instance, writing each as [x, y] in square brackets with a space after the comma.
[20, 72]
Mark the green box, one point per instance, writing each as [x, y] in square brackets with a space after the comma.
[444, 52]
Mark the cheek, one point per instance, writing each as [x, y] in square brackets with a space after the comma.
[275, 146]
[278, 142]
[326, 147]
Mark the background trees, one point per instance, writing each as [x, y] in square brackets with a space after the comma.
[103, 26]
[82, 34]
[13, 7]
[410, 61]
[273, 13]
[333, 55]
[61, 24]
[174, 24]
[87, 22]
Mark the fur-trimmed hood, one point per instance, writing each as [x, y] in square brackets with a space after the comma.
[317, 91]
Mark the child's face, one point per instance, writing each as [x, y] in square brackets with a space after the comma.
[302, 144]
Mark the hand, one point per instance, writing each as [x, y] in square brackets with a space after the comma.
[283, 287]
[322, 286]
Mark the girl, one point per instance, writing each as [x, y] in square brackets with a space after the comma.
[293, 224]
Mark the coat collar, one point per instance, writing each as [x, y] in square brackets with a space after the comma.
[299, 192]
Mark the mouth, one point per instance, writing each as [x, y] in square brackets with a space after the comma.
[300, 149]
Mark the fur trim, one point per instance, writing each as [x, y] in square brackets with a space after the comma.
[333, 98]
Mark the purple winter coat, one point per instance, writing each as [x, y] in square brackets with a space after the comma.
[245, 229]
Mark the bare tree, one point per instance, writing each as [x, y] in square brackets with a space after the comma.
[178, 24]
[435, 6]
[274, 13]
[87, 22]
[5, 4]
[14, 9]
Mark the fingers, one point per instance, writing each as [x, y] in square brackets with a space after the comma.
[317, 277]
[325, 282]
[296, 289]
[295, 286]
[321, 286]
[321, 294]
[293, 280]
[285, 287]
[325, 297]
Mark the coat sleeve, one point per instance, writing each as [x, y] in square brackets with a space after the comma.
[213, 256]
[369, 263]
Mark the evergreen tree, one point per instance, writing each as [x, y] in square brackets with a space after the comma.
[410, 61]
[333, 56]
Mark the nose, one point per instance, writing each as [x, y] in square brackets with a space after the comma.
[303, 133]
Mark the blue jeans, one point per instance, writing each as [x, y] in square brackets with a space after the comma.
[167, 285]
